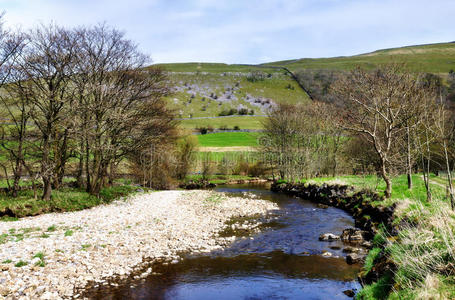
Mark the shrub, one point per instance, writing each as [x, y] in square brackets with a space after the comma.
[242, 168]
[207, 168]
[236, 127]
[243, 111]
[185, 155]
[257, 169]
[255, 76]
[232, 111]
[202, 130]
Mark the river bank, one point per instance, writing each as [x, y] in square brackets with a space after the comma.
[412, 238]
[51, 256]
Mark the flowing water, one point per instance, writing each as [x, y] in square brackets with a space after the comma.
[283, 261]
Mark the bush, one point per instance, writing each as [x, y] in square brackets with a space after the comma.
[236, 127]
[207, 168]
[255, 76]
[242, 168]
[230, 112]
[243, 111]
[185, 155]
[202, 130]
[224, 113]
[257, 169]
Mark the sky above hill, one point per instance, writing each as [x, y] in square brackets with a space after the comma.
[250, 31]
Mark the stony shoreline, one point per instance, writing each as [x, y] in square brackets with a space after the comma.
[55, 255]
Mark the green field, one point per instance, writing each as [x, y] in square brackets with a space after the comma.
[245, 122]
[229, 139]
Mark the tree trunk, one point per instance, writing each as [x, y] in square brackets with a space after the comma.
[388, 182]
[80, 169]
[17, 177]
[88, 178]
[449, 176]
[426, 180]
[45, 170]
[47, 188]
[408, 159]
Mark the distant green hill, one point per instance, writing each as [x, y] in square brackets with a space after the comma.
[432, 58]
[210, 89]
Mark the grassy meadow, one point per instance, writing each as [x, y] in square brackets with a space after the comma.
[229, 139]
[243, 122]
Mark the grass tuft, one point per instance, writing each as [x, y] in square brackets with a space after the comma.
[21, 264]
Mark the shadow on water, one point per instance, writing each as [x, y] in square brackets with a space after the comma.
[283, 261]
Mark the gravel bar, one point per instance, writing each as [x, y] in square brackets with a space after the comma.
[52, 256]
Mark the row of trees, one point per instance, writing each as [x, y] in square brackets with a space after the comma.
[391, 120]
[80, 94]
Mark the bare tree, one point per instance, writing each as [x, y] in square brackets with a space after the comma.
[120, 106]
[14, 109]
[445, 130]
[377, 109]
[46, 64]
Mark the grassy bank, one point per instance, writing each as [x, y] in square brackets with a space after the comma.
[64, 199]
[424, 250]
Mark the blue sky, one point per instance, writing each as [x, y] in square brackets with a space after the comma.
[250, 31]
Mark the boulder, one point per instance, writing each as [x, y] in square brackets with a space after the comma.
[353, 258]
[353, 235]
[329, 237]
[326, 254]
[349, 293]
[367, 244]
[350, 249]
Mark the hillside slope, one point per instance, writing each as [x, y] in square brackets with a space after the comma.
[203, 91]
[432, 58]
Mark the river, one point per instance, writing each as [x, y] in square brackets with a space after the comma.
[283, 261]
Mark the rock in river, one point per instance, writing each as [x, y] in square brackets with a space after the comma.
[328, 237]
